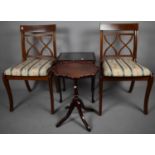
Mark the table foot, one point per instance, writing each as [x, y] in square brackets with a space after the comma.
[84, 107]
[66, 116]
[79, 105]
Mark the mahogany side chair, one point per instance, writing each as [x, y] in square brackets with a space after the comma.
[38, 44]
[118, 59]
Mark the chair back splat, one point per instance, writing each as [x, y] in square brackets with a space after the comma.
[118, 40]
[38, 41]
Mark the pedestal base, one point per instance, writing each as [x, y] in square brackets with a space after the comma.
[76, 103]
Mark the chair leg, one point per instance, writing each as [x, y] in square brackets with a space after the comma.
[59, 88]
[56, 84]
[51, 93]
[131, 86]
[28, 85]
[8, 89]
[147, 94]
[92, 88]
[64, 85]
[100, 95]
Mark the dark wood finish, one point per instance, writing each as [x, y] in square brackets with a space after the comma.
[118, 30]
[75, 71]
[93, 88]
[28, 85]
[120, 26]
[148, 90]
[77, 57]
[131, 86]
[100, 93]
[76, 103]
[64, 84]
[59, 88]
[7, 86]
[51, 92]
[36, 32]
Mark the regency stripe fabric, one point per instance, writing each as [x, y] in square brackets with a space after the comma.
[124, 67]
[31, 67]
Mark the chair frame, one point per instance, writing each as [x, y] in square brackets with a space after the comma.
[31, 29]
[117, 28]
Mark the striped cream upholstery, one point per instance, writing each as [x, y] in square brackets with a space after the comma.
[31, 67]
[125, 67]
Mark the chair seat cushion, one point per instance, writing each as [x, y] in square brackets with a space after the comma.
[124, 67]
[31, 67]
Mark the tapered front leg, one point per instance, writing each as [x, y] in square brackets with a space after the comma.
[131, 86]
[8, 89]
[147, 94]
[28, 85]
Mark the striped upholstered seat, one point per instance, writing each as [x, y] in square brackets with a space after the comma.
[125, 67]
[31, 67]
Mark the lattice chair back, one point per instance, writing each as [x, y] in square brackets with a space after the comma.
[38, 41]
[118, 40]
